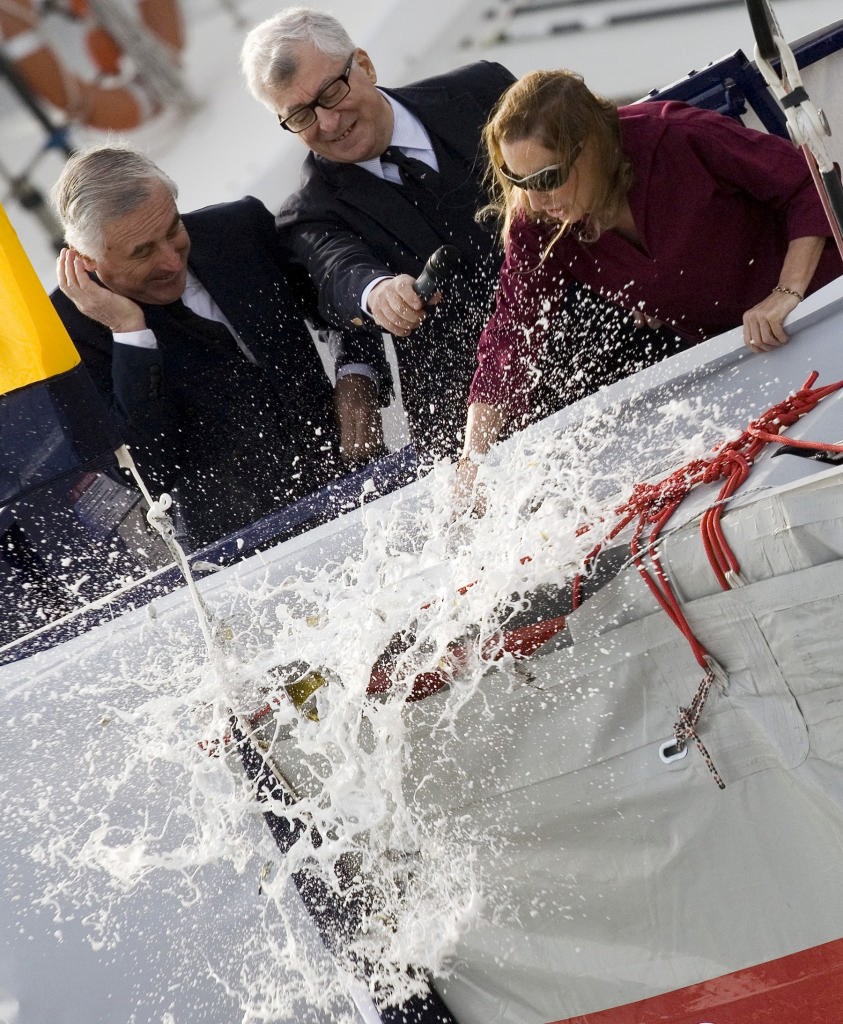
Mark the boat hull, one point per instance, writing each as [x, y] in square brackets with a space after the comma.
[621, 885]
[804, 987]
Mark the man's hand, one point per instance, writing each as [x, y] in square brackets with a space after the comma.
[395, 306]
[358, 414]
[106, 307]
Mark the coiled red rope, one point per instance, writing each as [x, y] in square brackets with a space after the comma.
[650, 507]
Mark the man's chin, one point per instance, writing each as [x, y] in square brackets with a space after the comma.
[342, 155]
[164, 294]
[353, 149]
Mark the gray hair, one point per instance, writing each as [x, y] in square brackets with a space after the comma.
[100, 184]
[268, 57]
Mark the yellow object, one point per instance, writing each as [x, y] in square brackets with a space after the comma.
[302, 690]
[34, 344]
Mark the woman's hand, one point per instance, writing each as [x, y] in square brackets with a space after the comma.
[467, 496]
[763, 325]
[481, 431]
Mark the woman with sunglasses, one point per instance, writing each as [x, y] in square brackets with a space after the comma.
[679, 215]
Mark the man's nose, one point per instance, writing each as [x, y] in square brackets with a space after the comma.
[328, 119]
[172, 256]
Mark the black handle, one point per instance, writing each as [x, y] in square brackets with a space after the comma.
[437, 272]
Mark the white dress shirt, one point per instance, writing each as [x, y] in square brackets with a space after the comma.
[197, 298]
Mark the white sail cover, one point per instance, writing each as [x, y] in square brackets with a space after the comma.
[603, 874]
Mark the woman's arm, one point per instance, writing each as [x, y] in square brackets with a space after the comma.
[529, 291]
[482, 429]
[763, 325]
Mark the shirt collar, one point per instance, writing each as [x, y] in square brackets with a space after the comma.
[408, 133]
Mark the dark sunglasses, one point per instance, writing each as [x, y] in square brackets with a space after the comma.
[334, 92]
[548, 178]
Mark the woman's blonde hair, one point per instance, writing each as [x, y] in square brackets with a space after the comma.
[557, 110]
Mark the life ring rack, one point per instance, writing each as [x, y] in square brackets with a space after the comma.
[130, 55]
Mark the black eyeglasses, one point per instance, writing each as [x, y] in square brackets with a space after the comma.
[548, 178]
[334, 92]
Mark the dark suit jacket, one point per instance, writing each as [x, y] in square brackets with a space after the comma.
[239, 440]
[347, 227]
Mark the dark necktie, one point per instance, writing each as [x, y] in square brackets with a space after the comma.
[412, 171]
[212, 330]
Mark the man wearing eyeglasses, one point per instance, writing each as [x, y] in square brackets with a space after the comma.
[392, 175]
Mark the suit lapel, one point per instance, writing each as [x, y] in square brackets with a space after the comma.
[451, 121]
[389, 205]
[221, 274]
[205, 262]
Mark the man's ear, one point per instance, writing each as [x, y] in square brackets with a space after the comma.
[364, 62]
[88, 262]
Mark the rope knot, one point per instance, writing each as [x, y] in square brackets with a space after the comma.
[714, 471]
[685, 727]
[787, 417]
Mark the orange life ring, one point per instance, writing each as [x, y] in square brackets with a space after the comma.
[96, 102]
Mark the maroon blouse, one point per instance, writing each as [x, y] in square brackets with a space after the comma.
[715, 205]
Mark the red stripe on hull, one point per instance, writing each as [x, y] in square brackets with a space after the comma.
[802, 988]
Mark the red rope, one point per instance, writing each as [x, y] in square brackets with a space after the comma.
[743, 452]
[650, 507]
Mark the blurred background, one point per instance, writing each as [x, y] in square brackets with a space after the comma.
[224, 145]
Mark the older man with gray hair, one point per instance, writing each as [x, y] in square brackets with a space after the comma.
[392, 175]
[195, 332]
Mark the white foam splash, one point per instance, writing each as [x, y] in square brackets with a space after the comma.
[149, 808]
